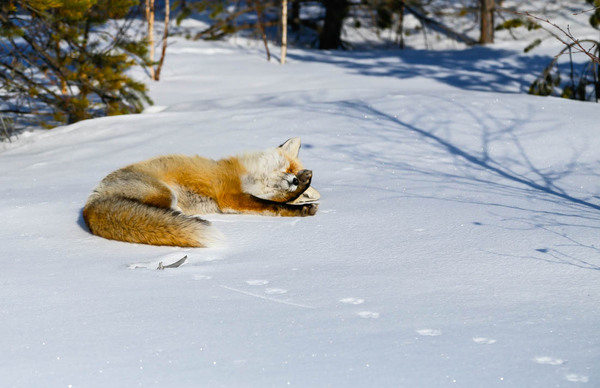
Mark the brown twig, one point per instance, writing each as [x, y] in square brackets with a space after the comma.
[585, 11]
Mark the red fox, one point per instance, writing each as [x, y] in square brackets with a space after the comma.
[158, 201]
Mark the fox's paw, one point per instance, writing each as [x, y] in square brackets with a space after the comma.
[309, 209]
[286, 210]
[304, 178]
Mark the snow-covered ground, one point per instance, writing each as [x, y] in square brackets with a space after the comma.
[456, 242]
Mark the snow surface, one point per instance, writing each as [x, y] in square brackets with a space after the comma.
[455, 244]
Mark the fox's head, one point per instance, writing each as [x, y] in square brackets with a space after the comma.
[276, 174]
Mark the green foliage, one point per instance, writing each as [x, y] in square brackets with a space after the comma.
[581, 84]
[59, 56]
[184, 13]
[532, 45]
[6, 128]
[387, 11]
[222, 13]
[518, 22]
[546, 84]
[595, 17]
[187, 8]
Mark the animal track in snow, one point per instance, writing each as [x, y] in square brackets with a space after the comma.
[575, 378]
[267, 298]
[549, 360]
[202, 277]
[275, 291]
[268, 291]
[429, 332]
[368, 315]
[354, 301]
[484, 341]
[257, 282]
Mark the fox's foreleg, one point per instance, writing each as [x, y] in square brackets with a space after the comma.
[245, 203]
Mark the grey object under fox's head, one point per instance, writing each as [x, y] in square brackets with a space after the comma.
[274, 173]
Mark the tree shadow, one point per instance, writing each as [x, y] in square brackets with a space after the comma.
[569, 252]
[547, 201]
[478, 68]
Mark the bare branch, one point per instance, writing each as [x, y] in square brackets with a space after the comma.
[570, 40]
[585, 11]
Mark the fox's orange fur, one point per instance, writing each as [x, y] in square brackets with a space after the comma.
[158, 201]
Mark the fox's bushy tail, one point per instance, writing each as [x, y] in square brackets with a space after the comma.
[124, 219]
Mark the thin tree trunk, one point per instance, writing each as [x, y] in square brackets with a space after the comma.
[284, 16]
[400, 31]
[150, 20]
[261, 27]
[487, 21]
[164, 42]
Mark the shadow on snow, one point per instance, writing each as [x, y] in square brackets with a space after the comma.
[510, 174]
[477, 68]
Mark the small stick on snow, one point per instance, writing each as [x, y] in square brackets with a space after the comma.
[176, 264]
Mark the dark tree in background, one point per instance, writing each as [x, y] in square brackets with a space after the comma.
[331, 34]
[325, 30]
[62, 61]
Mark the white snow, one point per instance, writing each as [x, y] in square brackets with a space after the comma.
[456, 242]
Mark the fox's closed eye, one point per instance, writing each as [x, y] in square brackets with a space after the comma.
[295, 181]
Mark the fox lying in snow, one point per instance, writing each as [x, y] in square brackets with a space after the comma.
[157, 201]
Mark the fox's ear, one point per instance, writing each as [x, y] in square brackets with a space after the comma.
[292, 146]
